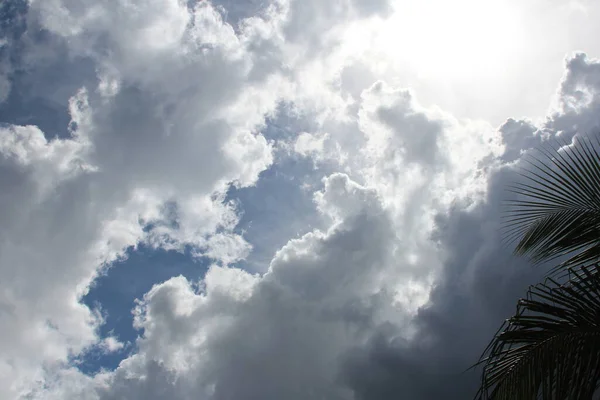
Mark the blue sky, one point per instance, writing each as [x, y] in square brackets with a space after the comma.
[277, 199]
[116, 291]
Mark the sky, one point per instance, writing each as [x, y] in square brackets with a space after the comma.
[275, 199]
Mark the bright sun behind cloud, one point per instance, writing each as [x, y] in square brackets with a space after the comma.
[453, 38]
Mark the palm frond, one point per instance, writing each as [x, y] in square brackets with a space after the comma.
[550, 348]
[557, 212]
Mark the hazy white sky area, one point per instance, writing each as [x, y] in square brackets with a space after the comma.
[274, 199]
[479, 59]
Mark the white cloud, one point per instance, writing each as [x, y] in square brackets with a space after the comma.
[308, 144]
[165, 120]
[160, 136]
[287, 333]
[326, 320]
[251, 337]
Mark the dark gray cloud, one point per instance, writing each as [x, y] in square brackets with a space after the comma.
[480, 281]
[477, 289]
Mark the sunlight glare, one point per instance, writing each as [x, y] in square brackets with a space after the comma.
[444, 39]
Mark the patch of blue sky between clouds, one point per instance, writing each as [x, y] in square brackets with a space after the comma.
[280, 206]
[39, 91]
[115, 293]
[277, 209]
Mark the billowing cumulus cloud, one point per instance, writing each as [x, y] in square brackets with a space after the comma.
[113, 181]
[319, 296]
[128, 123]
[479, 280]
[164, 114]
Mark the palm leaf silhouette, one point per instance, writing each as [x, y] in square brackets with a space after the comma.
[550, 348]
[558, 212]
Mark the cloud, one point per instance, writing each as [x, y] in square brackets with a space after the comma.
[258, 337]
[310, 144]
[140, 139]
[475, 291]
[165, 107]
[328, 319]
[479, 281]
[294, 332]
[165, 102]
[577, 99]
